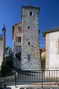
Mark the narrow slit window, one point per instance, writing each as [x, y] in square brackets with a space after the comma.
[31, 13]
[29, 43]
[28, 27]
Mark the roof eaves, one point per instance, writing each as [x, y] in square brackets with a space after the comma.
[51, 30]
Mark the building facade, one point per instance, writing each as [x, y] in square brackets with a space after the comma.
[29, 42]
[17, 42]
[17, 37]
[52, 51]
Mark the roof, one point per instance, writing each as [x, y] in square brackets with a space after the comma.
[17, 23]
[52, 30]
[33, 7]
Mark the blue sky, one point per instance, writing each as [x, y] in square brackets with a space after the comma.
[10, 13]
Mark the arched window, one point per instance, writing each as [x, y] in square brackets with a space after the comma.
[28, 27]
[29, 43]
[31, 13]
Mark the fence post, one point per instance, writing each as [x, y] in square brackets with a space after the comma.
[42, 78]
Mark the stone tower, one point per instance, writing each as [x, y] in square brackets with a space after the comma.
[30, 47]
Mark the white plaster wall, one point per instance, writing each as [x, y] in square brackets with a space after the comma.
[52, 55]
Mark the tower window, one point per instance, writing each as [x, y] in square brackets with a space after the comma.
[29, 43]
[18, 39]
[31, 13]
[28, 27]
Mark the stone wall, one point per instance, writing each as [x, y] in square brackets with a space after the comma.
[30, 39]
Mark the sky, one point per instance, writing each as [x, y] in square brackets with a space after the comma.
[10, 14]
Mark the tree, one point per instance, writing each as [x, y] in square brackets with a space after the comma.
[7, 64]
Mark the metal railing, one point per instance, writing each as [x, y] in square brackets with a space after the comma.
[38, 75]
[32, 77]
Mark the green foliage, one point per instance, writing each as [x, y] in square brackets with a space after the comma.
[7, 66]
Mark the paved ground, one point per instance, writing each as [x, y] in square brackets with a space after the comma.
[38, 86]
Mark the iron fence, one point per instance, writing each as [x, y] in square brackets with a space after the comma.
[43, 78]
[38, 76]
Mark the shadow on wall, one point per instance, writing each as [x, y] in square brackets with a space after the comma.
[43, 58]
